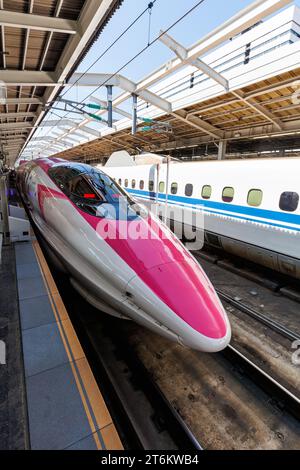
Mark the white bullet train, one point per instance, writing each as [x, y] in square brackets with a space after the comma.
[250, 208]
[120, 257]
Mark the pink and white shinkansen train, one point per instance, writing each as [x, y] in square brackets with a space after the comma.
[152, 280]
[251, 208]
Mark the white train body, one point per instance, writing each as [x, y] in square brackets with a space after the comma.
[260, 223]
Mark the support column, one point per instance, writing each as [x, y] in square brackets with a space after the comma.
[134, 113]
[109, 105]
[222, 150]
[4, 210]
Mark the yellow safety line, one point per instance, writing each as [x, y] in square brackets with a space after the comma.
[41, 262]
[71, 335]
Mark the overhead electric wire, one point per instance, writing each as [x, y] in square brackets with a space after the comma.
[149, 8]
[187, 13]
[145, 48]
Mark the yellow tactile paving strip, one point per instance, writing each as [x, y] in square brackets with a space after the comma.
[100, 421]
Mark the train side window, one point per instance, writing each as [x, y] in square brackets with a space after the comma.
[189, 190]
[142, 184]
[206, 192]
[162, 187]
[255, 197]
[174, 188]
[228, 194]
[126, 183]
[289, 201]
[133, 184]
[120, 182]
[151, 185]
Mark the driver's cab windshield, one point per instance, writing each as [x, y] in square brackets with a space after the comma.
[94, 192]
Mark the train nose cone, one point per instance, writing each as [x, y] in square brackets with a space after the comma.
[186, 290]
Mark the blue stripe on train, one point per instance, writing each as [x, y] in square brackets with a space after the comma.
[219, 207]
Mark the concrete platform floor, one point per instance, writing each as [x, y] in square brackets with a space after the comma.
[13, 410]
[49, 399]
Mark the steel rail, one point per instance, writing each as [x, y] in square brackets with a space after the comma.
[285, 398]
[274, 325]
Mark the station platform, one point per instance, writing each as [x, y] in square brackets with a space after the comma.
[59, 404]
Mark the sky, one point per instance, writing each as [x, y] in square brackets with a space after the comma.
[209, 15]
[201, 21]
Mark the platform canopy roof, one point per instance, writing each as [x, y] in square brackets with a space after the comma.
[241, 81]
[41, 44]
[228, 117]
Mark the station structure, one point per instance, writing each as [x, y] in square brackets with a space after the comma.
[42, 44]
[234, 92]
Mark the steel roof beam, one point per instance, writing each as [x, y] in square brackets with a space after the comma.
[115, 108]
[260, 110]
[90, 131]
[11, 136]
[2, 35]
[59, 122]
[14, 19]
[12, 142]
[42, 138]
[19, 101]
[94, 79]
[47, 43]
[182, 53]
[67, 139]
[55, 145]
[291, 82]
[17, 115]
[245, 18]
[26, 44]
[15, 125]
[198, 124]
[14, 145]
[92, 14]
[80, 136]
[37, 145]
[28, 78]
[237, 24]
[73, 134]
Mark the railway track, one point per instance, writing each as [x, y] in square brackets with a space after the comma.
[115, 357]
[165, 417]
[139, 404]
[274, 325]
[278, 393]
[145, 419]
[141, 407]
[152, 419]
[145, 415]
[287, 325]
[272, 280]
[226, 399]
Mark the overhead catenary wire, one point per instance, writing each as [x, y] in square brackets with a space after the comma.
[148, 9]
[156, 39]
[140, 15]
[151, 43]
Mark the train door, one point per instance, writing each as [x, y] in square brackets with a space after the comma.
[162, 190]
[159, 189]
[153, 188]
